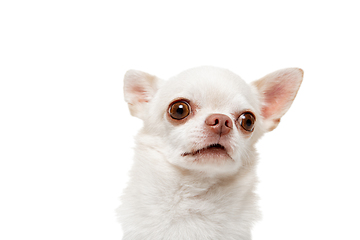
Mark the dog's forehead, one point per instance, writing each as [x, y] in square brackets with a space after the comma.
[208, 86]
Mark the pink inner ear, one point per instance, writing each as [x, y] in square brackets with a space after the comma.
[277, 98]
[141, 94]
[279, 90]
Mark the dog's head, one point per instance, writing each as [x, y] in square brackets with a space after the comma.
[209, 118]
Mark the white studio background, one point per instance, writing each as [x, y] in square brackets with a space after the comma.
[66, 133]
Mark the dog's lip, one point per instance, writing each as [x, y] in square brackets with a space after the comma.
[213, 147]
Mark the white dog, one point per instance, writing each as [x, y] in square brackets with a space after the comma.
[194, 172]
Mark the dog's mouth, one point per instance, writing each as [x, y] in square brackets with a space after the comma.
[213, 149]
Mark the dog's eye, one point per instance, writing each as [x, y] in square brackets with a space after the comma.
[179, 110]
[247, 121]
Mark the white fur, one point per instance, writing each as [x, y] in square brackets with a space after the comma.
[176, 197]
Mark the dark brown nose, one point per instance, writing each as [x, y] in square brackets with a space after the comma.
[219, 123]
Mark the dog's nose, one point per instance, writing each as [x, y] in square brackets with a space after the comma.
[219, 123]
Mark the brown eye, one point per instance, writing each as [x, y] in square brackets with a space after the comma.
[179, 110]
[247, 121]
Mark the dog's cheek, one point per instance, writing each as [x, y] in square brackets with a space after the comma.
[179, 135]
[241, 146]
[177, 139]
[237, 147]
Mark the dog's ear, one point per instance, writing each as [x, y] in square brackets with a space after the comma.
[277, 91]
[139, 89]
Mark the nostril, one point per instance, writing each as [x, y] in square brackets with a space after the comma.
[216, 122]
[227, 123]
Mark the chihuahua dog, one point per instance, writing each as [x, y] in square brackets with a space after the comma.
[194, 171]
